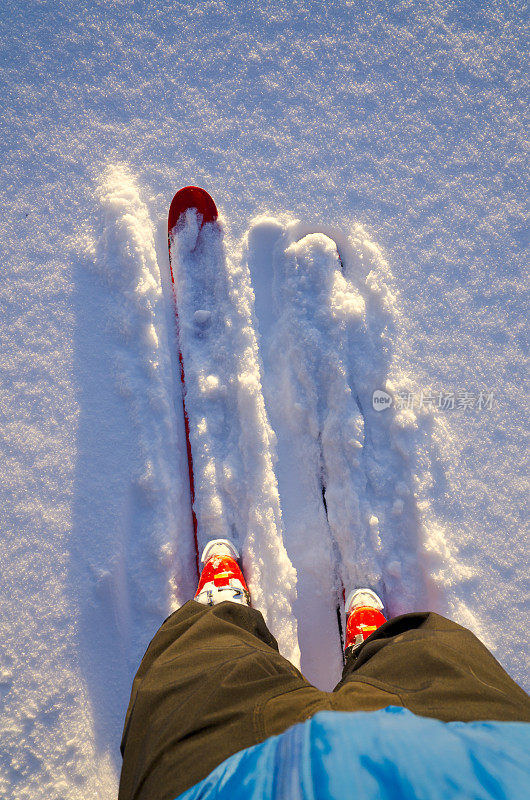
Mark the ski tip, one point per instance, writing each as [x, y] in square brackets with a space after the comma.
[191, 197]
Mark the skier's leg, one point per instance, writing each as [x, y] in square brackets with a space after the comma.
[199, 695]
[436, 668]
[203, 685]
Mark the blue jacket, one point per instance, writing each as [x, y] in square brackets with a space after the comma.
[381, 755]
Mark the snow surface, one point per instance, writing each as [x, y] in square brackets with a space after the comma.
[396, 130]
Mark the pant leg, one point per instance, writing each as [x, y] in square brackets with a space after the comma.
[198, 697]
[437, 669]
[212, 682]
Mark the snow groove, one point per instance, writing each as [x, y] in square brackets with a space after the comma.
[236, 494]
[392, 439]
[310, 404]
[153, 576]
[327, 319]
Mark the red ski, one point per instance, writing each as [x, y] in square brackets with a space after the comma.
[185, 199]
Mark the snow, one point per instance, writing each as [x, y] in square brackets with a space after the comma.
[394, 130]
[235, 484]
[327, 318]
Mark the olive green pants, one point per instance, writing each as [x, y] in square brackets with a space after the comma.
[212, 682]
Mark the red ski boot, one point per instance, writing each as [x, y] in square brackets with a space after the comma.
[363, 612]
[221, 578]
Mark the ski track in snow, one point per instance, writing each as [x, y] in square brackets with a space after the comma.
[272, 427]
[143, 341]
[236, 493]
[327, 318]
